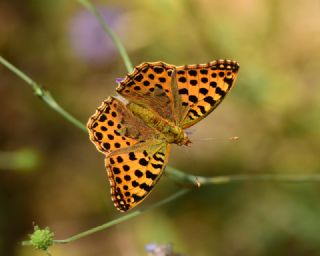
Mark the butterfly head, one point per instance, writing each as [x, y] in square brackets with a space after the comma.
[184, 140]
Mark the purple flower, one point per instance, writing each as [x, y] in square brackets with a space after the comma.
[151, 247]
[154, 249]
[118, 80]
[89, 41]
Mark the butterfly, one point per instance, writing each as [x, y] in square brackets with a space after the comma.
[157, 102]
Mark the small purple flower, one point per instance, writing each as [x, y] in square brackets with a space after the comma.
[119, 80]
[154, 249]
[89, 41]
[151, 247]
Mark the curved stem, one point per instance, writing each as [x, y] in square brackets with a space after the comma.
[122, 218]
[43, 94]
[115, 39]
[195, 181]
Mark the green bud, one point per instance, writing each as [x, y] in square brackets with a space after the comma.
[41, 239]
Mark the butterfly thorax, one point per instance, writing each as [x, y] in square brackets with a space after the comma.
[167, 130]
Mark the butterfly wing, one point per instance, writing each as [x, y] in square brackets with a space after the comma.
[150, 85]
[113, 127]
[135, 158]
[203, 87]
[133, 174]
[199, 89]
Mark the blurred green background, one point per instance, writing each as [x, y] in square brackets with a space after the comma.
[51, 174]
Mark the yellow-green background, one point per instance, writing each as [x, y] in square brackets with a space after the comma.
[51, 174]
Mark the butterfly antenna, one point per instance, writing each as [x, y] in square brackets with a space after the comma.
[207, 139]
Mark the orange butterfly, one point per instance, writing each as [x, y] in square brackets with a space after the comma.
[162, 101]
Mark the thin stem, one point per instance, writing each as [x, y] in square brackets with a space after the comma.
[43, 94]
[115, 39]
[122, 219]
[195, 181]
[198, 181]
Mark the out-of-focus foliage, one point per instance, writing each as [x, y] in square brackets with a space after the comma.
[20, 160]
[274, 109]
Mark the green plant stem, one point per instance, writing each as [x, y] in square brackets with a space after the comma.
[115, 39]
[198, 181]
[122, 218]
[43, 94]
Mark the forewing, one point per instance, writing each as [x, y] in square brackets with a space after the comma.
[113, 127]
[203, 87]
[133, 174]
[150, 85]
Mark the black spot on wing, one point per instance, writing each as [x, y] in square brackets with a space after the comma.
[209, 100]
[157, 166]
[158, 70]
[146, 83]
[183, 91]
[126, 167]
[193, 82]
[203, 91]
[159, 159]
[137, 198]
[102, 118]
[119, 159]
[106, 146]
[150, 175]
[192, 72]
[229, 81]
[204, 80]
[193, 98]
[182, 79]
[139, 77]
[115, 170]
[135, 184]
[132, 156]
[99, 135]
[195, 113]
[127, 177]
[213, 84]
[145, 187]
[202, 109]
[143, 162]
[220, 92]
[162, 79]
[138, 173]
